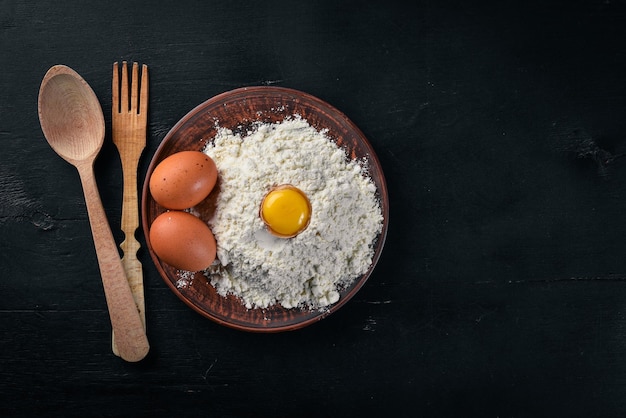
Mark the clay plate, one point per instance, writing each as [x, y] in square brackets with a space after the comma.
[238, 109]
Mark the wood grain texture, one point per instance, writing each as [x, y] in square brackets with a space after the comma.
[72, 121]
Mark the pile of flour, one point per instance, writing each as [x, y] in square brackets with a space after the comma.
[307, 271]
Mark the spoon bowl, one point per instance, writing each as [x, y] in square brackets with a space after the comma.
[71, 116]
[73, 123]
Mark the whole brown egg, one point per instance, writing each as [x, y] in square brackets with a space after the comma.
[183, 241]
[183, 179]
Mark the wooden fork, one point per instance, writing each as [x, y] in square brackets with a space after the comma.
[130, 117]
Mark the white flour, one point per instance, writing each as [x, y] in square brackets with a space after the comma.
[310, 269]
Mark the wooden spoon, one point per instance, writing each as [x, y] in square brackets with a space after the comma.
[72, 121]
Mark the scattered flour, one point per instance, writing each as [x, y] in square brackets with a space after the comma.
[307, 271]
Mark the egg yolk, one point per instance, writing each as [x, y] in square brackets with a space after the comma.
[286, 211]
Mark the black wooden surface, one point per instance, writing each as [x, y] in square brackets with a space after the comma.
[502, 288]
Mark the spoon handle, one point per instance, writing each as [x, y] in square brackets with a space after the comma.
[130, 336]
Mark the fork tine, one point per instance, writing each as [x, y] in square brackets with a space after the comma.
[115, 89]
[124, 89]
[134, 88]
[143, 100]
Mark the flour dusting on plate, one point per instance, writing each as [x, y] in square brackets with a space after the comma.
[309, 270]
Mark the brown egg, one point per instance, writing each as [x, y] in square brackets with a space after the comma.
[183, 241]
[183, 179]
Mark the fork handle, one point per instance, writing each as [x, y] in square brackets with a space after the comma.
[130, 246]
